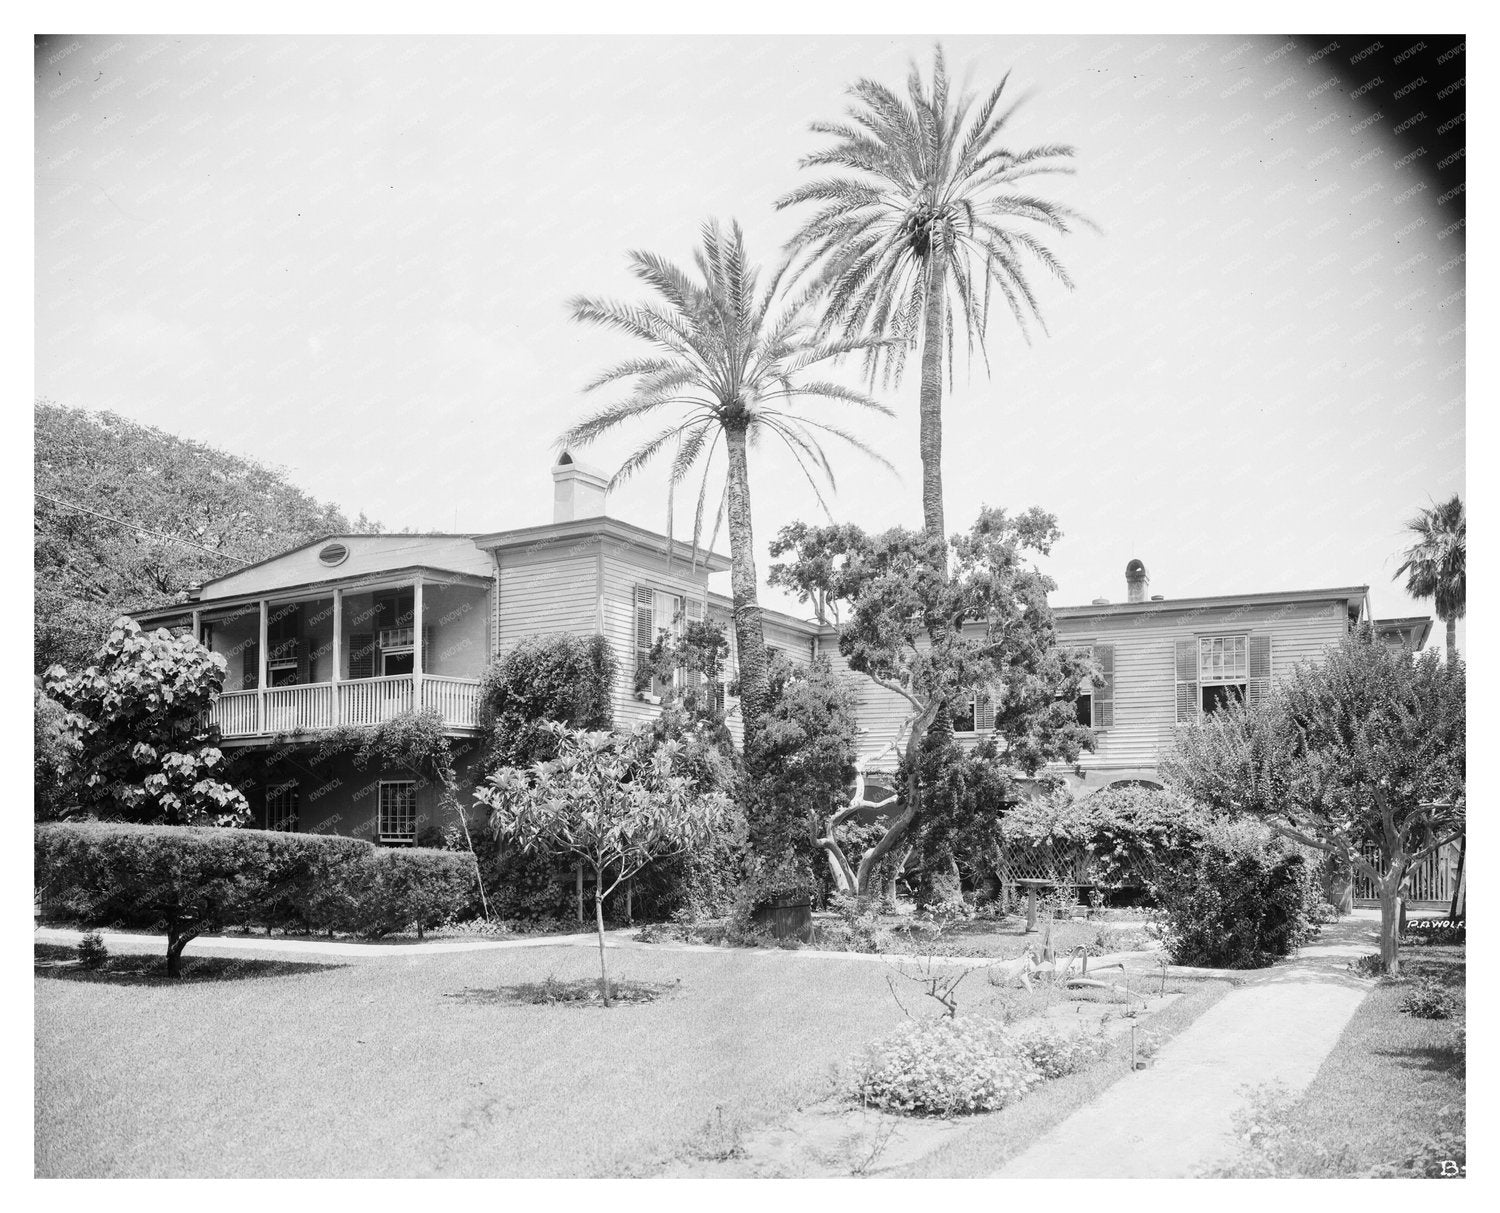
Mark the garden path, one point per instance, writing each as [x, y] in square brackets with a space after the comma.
[1175, 1117]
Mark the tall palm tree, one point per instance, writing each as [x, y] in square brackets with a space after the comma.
[929, 224]
[1434, 568]
[1434, 565]
[727, 363]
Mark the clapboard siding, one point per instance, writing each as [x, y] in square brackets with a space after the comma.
[624, 567]
[1145, 671]
[545, 592]
[882, 714]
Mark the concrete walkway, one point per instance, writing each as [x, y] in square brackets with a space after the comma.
[1176, 1117]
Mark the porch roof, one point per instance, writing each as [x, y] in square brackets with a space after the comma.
[317, 589]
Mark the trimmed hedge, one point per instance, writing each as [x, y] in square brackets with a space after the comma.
[188, 880]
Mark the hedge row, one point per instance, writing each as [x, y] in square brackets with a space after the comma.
[189, 880]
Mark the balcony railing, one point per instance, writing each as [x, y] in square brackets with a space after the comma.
[362, 701]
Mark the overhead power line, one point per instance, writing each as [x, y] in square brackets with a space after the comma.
[83, 509]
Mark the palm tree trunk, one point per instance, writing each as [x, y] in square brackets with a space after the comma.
[749, 635]
[1452, 623]
[931, 400]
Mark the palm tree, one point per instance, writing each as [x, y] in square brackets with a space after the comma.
[1434, 568]
[727, 363]
[1434, 565]
[930, 224]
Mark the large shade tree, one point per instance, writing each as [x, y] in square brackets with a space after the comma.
[726, 368]
[1434, 564]
[922, 220]
[1360, 755]
[941, 640]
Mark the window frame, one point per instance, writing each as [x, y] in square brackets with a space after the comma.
[390, 838]
[275, 792]
[1222, 686]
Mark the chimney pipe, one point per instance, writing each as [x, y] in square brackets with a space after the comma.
[578, 491]
[1136, 581]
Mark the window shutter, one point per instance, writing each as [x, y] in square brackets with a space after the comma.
[1104, 697]
[251, 677]
[362, 655]
[984, 711]
[1259, 657]
[1188, 707]
[695, 610]
[645, 630]
[427, 650]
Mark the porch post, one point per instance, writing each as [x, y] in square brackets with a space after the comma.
[260, 678]
[198, 627]
[338, 652]
[416, 645]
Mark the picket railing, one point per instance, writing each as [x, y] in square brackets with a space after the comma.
[359, 702]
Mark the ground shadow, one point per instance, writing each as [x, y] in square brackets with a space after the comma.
[551, 992]
[58, 963]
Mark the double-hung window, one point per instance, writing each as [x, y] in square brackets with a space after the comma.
[1216, 671]
[1095, 705]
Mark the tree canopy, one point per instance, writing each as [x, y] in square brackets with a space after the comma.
[186, 512]
[1360, 755]
[938, 639]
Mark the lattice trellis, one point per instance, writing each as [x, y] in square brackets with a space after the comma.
[1070, 863]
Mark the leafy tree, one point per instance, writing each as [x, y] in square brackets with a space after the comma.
[934, 640]
[146, 751]
[803, 761]
[612, 802]
[1434, 565]
[727, 365]
[564, 678]
[1362, 750]
[919, 223]
[186, 512]
[54, 754]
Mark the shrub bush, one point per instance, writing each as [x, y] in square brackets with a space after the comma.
[1241, 900]
[92, 954]
[188, 880]
[943, 1067]
[1428, 1001]
[1055, 1054]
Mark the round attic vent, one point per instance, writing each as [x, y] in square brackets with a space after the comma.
[332, 554]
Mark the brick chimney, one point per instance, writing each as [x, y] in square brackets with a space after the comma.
[1136, 581]
[578, 491]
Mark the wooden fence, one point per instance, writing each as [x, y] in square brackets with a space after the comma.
[1431, 880]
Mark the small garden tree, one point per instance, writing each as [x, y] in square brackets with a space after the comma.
[981, 632]
[564, 678]
[1363, 750]
[146, 751]
[612, 802]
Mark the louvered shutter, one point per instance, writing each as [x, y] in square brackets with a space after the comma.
[1104, 697]
[1259, 657]
[645, 631]
[362, 655]
[984, 711]
[250, 678]
[1188, 707]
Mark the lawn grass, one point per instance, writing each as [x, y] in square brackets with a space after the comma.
[1392, 1084]
[998, 1137]
[374, 1069]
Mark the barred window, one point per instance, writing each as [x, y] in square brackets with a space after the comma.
[281, 806]
[398, 813]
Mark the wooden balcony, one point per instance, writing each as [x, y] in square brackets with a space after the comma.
[359, 702]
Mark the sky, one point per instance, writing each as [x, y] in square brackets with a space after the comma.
[351, 257]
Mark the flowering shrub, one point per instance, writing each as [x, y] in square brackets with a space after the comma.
[1055, 1054]
[943, 1067]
